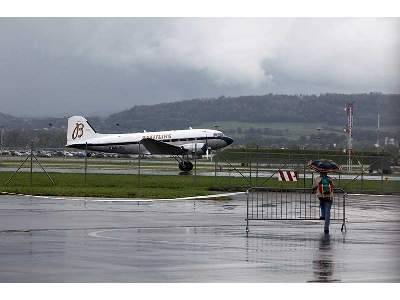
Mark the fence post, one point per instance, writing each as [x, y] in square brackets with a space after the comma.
[382, 174]
[257, 157]
[1, 145]
[139, 164]
[195, 162]
[312, 178]
[344, 213]
[86, 154]
[215, 169]
[362, 177]
[31, 168]
[247, 211]
[251, 183]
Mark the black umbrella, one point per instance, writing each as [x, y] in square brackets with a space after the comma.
[324, 165]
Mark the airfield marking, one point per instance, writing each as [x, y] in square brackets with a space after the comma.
[212, 196]
[374, 195]
[171, 199]
[96, 234]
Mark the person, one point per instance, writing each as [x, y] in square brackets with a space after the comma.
[323, 186]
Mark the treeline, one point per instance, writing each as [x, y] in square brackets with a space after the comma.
[327, 109]
[42, 138]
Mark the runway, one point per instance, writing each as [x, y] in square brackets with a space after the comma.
[80, 240]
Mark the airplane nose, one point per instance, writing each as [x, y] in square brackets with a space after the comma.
[228, 140]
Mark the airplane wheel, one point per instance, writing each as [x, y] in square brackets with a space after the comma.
[185, 166]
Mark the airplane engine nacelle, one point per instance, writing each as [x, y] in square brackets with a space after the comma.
[196, 148]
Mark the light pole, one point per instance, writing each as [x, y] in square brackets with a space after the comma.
[319, 139]
[1, 143]
[1, 140]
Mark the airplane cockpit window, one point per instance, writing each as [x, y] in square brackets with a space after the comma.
[218, 134]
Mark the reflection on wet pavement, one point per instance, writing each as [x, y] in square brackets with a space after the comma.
[323, 263]
[65, 240]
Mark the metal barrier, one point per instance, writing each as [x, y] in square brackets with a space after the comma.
[265, 203]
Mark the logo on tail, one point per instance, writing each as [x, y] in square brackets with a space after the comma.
[78, 130]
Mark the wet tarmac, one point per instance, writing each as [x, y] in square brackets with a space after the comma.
[78, 240]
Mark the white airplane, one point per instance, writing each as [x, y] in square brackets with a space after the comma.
[181, 144]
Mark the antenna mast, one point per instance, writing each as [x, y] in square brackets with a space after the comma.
[377, 134]
[349, 131]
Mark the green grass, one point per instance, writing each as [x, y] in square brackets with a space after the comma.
[158, 186]
[104, 185]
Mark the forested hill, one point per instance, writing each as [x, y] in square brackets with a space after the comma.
[327, 109]
[8, 120]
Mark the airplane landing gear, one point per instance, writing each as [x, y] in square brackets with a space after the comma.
[184, 163]
[185, 166]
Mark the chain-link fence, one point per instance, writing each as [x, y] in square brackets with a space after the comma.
[232, 170]
[365, 174]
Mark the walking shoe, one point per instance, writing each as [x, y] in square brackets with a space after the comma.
[326, 231]
[321, 218]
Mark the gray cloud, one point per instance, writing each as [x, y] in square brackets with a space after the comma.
[91, 66]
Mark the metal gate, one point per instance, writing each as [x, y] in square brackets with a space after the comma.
[265, 203]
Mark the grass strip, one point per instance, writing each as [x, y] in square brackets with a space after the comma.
[161, 186]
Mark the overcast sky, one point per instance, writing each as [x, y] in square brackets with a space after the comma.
[99, 66]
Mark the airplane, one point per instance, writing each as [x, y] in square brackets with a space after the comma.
[180, 144]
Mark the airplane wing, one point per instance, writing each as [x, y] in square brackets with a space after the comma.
[157, 147]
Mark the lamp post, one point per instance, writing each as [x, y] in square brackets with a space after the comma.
[1, 140]
[319, 139]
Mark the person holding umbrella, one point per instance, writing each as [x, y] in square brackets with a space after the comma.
[323, 186]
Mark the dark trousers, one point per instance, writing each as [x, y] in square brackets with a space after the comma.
[325, 204]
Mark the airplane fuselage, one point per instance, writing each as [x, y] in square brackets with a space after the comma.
[129, 143]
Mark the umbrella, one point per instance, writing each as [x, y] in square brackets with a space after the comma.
[324, 165]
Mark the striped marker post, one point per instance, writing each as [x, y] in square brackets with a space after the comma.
[287, 175]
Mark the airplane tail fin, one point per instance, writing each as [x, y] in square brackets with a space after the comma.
[79, 130]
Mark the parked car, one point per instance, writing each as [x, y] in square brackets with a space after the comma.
[5, 153]
[68, 154]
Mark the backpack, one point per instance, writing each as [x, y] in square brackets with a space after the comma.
[325, 186]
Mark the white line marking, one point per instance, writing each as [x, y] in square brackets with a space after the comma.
[96, 234]
[168, 199]
[373, 195]
[92, 199]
